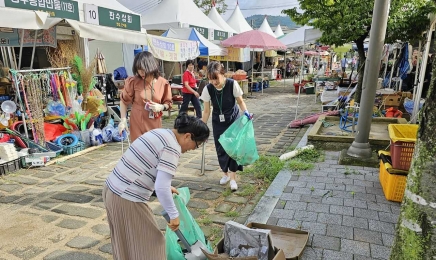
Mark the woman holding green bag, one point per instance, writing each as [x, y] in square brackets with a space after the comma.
[225, 96]
[148, 165]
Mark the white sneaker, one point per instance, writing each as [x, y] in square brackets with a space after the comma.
[224, 179]
[233, 185]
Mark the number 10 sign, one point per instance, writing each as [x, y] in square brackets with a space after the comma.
[112, 18]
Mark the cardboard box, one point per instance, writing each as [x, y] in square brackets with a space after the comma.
[391, 100]
[291, 241]
[407, 95]
[219, 254]
[288, 243]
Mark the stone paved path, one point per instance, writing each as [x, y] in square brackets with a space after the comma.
[342, 207]
[56, 212]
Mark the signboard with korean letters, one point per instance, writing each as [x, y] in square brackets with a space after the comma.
[111, 18]
[203, 31]
[55, 8]
[220, 35]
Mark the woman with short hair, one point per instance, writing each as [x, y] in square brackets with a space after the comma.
[148, 165]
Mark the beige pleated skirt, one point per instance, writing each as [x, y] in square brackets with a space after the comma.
[135, 234]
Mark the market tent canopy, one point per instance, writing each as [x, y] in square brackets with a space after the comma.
[254, 39]
[24, 19]
[216, 18]
[36, 20]
[238, 22]
[206, 47]
[264, 27]
[108, 34]
[176, 14]
[303, 35]
[279, 32]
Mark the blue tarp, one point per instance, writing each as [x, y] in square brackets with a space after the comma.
[136, 51]
[204, 50]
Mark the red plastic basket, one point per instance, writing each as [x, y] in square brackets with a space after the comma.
[402, 154]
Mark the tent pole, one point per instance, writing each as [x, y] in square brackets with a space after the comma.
[262, 56]
[417, 98]
[3, 56]
[302, 72]
[33, 49]
[252, 72]
[284, 76]
[418, 63]
[12, 59]
[387, 59]
[21, 49]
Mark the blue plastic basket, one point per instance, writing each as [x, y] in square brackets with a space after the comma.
[54, 148]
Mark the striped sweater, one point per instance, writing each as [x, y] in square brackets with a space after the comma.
[135, 174]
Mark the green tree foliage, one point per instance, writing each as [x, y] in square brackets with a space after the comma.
[206, 5]
[345, 21]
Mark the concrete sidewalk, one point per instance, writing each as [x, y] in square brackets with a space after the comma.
[342, 207]
[56, 212]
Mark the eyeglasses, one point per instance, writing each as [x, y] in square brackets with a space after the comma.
[196, 144]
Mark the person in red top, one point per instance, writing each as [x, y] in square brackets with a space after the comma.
[189, 90]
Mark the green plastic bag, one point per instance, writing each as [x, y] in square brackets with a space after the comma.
[239, 143]
[188, 226]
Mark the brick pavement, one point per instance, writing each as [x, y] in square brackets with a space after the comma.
[56, 212]
[342, 207]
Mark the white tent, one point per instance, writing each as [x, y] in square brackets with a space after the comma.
[216, 18]
[278, 31]
[186, 34]
[238, 22]
[264, 27]
[176, 14]
[303, 35]
[36, 20]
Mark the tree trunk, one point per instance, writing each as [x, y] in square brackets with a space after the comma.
[360, 69]
[416, 229]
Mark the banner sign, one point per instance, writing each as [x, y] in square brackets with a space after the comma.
[111, 18]
[12, 37]
[220, 35]
[55, 8]
[234, 54]
[172, 49]
[203, 31]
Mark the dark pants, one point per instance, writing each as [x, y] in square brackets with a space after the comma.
[195, 102]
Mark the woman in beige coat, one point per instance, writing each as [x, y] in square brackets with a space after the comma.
[149, 95]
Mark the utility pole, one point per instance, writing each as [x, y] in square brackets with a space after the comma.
[360, 147]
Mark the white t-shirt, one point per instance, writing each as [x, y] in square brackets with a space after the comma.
[237, 92]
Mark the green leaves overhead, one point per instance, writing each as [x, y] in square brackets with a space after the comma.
[206, 5]
[345, 21]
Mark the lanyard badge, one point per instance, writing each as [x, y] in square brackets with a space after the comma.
[220, 104]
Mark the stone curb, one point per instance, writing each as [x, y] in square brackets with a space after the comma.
[267, 203]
